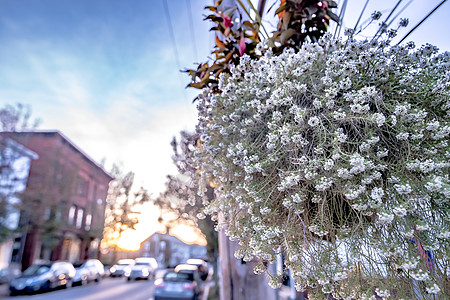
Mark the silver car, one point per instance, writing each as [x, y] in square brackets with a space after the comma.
[144, 268]
[177, 285]
[123, 266]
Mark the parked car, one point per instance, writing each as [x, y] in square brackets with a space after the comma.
[107, 272]
[43, 276]
[90, 270]
[120, 268]
[9, 273]
[143, 268]
[191, 269]
[202, 266]
[177, 285]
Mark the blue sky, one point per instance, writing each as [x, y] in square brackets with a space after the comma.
[105, 74]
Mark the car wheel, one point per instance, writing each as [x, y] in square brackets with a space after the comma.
[128, 278]
[49, 286]
[69, 283]
[98, 278]
[84, 281]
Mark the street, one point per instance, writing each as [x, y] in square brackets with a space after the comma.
[108, 288]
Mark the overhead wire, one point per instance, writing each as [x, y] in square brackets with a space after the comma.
[174, 45]
[191, 26]
[171, 34]
[423, 20]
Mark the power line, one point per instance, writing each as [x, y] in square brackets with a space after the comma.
[191, 26]
[174, 45]
[420, 23]
[171, 34]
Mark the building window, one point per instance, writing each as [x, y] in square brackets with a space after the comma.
[79, 218]
[88, 222]
[47, 213]
[83, 187]
[71, 214]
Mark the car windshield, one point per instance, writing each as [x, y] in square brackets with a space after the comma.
[172, 276]
[36, 270]
[78, 265]
[142, 264]
[125, 262]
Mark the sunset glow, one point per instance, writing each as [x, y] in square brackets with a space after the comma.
[131, 239]
[148, 225]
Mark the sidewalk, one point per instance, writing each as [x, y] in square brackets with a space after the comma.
[208, 285]
[4, 291]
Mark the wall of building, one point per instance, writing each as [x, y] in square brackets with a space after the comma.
[69, 190]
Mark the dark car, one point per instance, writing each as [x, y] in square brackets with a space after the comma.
[177, 285]
[202, 266]
[44, 276]
[121, 267]
[90, 270]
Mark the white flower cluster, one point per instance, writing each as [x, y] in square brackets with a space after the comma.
[342, 145]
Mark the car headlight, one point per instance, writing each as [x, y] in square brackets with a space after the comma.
[112, 270]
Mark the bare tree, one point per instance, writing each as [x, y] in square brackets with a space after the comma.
[180, 199]
[17, 117]
[122, 207]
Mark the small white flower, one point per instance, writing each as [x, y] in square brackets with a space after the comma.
[402, 136]
[329, 164]
[434, 289]
[313, 121]
[382, 293]
[419, 275]
[379, 118]
[399, 211]
[385, 218]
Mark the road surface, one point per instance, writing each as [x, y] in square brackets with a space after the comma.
[108, 288]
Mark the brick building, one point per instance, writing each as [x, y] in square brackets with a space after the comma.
[63, 207]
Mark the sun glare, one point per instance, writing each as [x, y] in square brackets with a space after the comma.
[132, 239]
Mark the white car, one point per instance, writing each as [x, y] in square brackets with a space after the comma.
[90, 270]
[121, 268]
[143, 268]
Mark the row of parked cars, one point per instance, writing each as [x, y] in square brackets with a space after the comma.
[183, 282]
[51, 275]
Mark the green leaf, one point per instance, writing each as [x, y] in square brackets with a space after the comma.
[310, 10]
[211, 8]
[286, 35]
[333, 16]
[332, 4]
[229, 11]
[197, 85]
[280, 9]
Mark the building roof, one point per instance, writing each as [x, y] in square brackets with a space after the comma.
[170, 237]
[66, 141]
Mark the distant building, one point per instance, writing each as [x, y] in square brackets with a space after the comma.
[168, 250]
[15, 162]
[64, 201]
